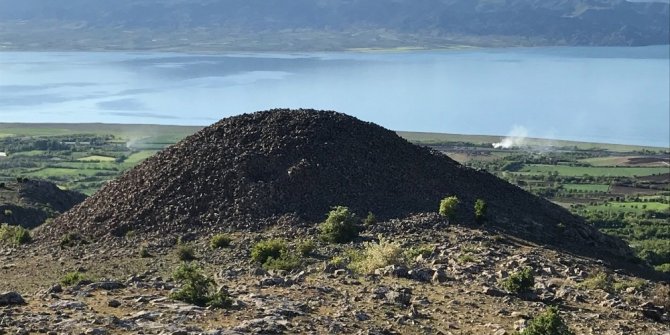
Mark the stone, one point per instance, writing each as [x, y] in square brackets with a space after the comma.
[114, 303]
[11, 298]
[423, 275]
[106, 285]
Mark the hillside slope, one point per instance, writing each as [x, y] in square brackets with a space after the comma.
[307, 24]
[29, 202]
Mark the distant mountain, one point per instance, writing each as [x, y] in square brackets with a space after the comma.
[327, 24]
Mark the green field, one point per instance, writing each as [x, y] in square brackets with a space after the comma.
[587, 187]
[139, 156]
[438, 138]
[575, 171]
[96, 158]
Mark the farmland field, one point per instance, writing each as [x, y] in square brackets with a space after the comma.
[573, 171]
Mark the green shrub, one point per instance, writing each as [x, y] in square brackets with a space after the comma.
[339, 261]
[424, 250]
[305, 248]
[466, 258]
[480, 209]
[520, 281]
[130, 234]
[661, 296]
[663, 267]
[547, 323]
[196, 288]
[72, 239]
[265, 249]
[448, 206]
[370, 220]
[340, 226]
[285, 261]
[185, 253]
[620, 286]
[599, 280]
[220, 241]
[73, 278]
[8, 212]
[144, 252]
[377, 255]
[14, 235]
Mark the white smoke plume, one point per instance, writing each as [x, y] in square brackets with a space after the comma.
[515, 138]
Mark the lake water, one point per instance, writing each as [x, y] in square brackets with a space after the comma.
[615, 95]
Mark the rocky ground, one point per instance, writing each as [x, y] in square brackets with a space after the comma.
[453, 289]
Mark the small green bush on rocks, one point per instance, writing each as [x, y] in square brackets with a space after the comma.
[185, 253]
[378, 255]
[196, 288]
[265, 249]
[14, 235]
[480, 209]
[73, 278]
[519, 282]
[547, 323]
[448, 206]
[220, 241]
[305, 248]
[370, 220]
[340, 226]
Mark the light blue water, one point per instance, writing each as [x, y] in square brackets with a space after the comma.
[615, 95]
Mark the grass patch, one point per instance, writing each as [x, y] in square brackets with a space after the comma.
[598, 280]
[377, 255]
[185, 253]
[576, 171]
[96, 158]
[587, 187]
[220, 241]
[74, 278]
[14, 235]
[196, 288]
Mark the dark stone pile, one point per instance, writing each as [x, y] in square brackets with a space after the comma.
[247, 171]
[31, 202]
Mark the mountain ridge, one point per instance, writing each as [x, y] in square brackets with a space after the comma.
[327, 25]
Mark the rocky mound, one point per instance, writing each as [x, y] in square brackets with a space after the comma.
[29, 202]
[248, 171]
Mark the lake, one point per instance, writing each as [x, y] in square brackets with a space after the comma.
[614, 95]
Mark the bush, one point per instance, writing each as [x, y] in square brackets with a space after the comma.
[414, 252]
[73, 278]
[480, 209]
[220, 241]
[599, 280]
[370, 220]
[72, 239]
[8, 212]
[661, 296]
[14, 235]
[340, 226]
[448, 206]
[196, 288]
[285, 261]
[266, 249]
[306, 247]
[547, 323]
[185, 253]
[378, 255]
[144, 252]
[520, 281]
